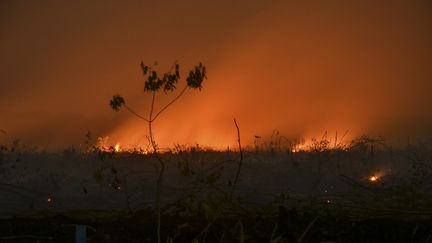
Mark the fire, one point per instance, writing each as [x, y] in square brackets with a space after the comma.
[104, 145]
[117, 147]
[374, 178]
[297, 148]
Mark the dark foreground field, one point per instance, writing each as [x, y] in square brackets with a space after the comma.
[327, 194]
[289, 225]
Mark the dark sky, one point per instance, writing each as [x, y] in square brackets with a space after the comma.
[360, 66]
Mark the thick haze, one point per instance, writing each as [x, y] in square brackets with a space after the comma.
[356, 66]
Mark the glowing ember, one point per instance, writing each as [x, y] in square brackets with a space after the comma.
[373, 178]
[49, 199]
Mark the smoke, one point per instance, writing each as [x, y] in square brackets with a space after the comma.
[302, 69]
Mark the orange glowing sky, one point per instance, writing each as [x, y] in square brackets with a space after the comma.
[300, 68]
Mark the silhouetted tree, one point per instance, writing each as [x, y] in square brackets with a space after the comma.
[155, 83]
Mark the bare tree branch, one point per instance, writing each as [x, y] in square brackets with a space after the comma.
[241, 158]
[135, 114]
[170, 103]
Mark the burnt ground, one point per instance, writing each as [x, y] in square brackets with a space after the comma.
[287, 225]
[318, 196]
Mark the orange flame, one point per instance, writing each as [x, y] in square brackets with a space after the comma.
[374, 178]
[117, 147]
